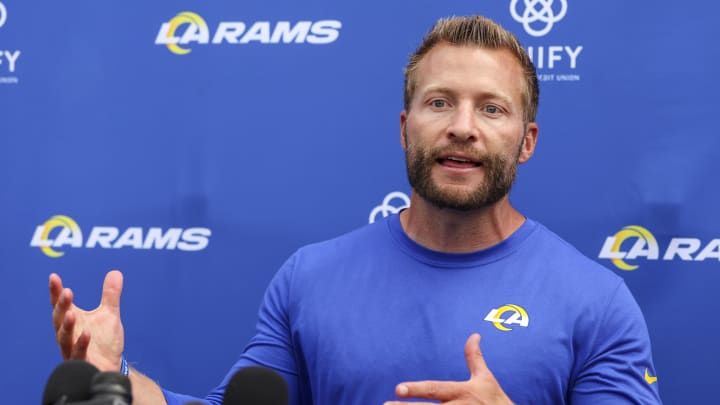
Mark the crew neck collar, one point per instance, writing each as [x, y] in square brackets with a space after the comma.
[459, 260]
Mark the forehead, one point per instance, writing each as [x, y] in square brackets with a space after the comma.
[470, 69]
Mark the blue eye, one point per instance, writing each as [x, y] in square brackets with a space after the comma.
[492, 109]
[439, 103]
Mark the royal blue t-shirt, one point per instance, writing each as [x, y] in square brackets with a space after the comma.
[346, 320]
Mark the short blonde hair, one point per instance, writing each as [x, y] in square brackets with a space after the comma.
[482, 32]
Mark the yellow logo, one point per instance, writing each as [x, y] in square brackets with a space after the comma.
[196, 31]
[69, 234]
[188, 28]
[645, 245]
[519, 317]
[648, 378]
[62, 231]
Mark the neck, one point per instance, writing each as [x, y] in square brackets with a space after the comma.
[454, 231]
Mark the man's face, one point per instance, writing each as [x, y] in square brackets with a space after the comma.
[463, 134]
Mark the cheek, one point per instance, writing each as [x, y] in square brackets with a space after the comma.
[508, 145]
[411, 134]
[427, 119]
[422, 131]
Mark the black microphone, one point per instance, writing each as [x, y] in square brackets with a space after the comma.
[110, 387]
[256, 386]
[76, 382]
[69, 382]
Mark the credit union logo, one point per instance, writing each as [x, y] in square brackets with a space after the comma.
[8, 57]
[188, 28]
[3, 14]
[538, 16]
[556, 61]
[508, 315]
[633, 243]
[61, 232]
[393, 203]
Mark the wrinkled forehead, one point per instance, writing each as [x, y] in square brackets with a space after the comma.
[470, 69]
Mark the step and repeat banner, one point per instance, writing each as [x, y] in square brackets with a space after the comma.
[195, 145]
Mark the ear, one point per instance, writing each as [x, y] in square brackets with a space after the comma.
[403, 129]
[529, 142]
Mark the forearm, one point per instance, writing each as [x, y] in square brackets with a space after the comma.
[144, 390]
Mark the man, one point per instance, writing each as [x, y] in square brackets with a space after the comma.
[382, 312]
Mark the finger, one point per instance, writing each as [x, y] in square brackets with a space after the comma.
[112, 288]
[55, 288]
[473, 355]
[65, 335]
[439, 390]
[62, 305]
[79, 349]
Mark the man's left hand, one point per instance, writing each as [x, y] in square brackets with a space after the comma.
[481, 388]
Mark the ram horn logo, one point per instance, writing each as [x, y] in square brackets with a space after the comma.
[519, 317]
[645, 245]
[70, 233]
[197, 29]
[62, 231]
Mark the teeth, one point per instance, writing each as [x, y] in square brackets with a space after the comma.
[458, 159]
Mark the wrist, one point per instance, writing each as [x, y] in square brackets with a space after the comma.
[124, 367]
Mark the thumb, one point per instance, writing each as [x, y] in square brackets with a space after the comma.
[112, 289]
[473, 355]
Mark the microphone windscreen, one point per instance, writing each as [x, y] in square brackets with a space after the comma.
[111, 384]
[256, 386]
[71, 380]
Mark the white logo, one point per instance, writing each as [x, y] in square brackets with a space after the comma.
[62, 231]
[519, 317]
[531, 15]
[386, 208]
[196, 30]
[646, 246]
[7, 57]
[3, 14]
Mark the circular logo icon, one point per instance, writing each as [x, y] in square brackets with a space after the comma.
[387, 208]
[538, 16]
[3, 14]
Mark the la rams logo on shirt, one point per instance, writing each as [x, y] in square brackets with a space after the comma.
[508, 315]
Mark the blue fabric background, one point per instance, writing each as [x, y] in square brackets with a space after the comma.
[272, 146]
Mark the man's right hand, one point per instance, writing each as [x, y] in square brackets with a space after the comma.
[95, 336]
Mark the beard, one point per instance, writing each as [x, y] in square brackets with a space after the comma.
[500, 175]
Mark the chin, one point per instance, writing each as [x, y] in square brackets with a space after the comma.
[462, 199]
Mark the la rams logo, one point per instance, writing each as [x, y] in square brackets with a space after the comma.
[508, 315]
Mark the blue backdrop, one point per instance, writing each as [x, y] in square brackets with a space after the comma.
[194, 145]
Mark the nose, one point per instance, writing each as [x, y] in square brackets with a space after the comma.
[463, 125]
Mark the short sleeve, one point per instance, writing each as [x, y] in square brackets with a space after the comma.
[618, 369]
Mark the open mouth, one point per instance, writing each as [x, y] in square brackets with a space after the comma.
[459, 162]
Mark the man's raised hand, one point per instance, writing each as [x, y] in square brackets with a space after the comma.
[96, 336]
[481, 388]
